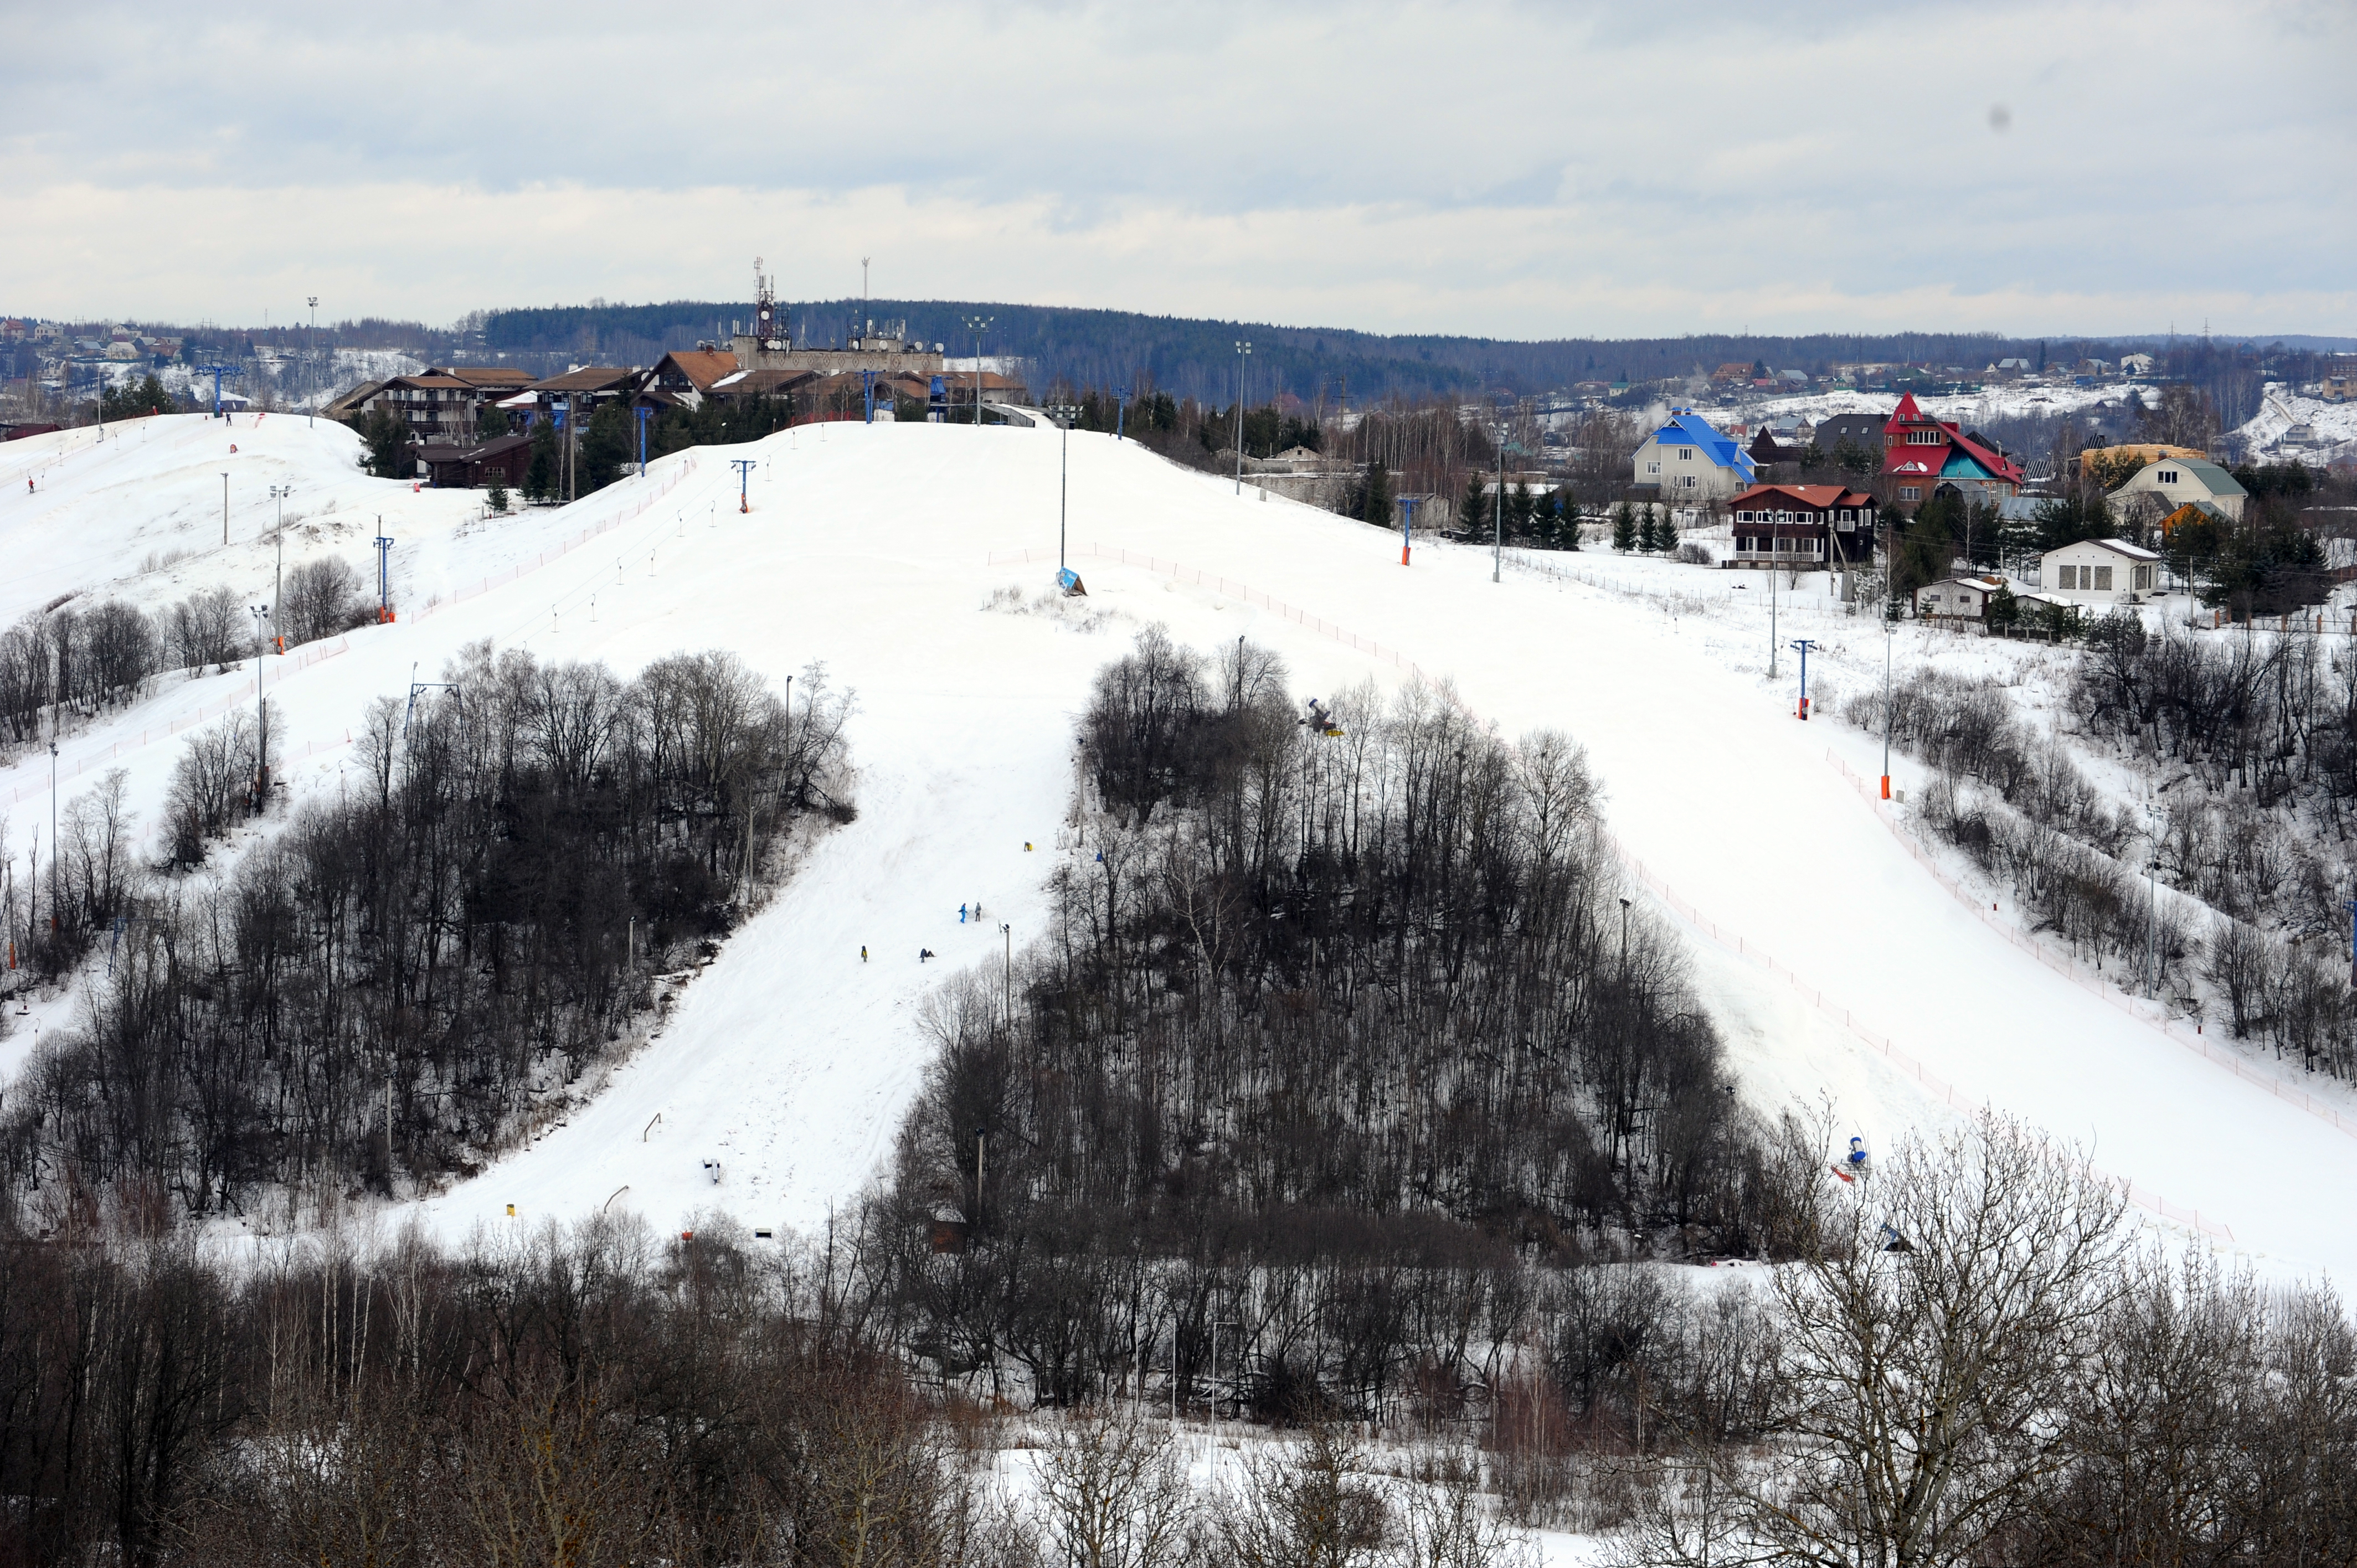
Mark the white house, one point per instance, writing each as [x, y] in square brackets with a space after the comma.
[2176, 480]
[2098, 572]
[1691, 464]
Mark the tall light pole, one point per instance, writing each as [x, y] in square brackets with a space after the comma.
[53, 819]
[261, 722]
[315, 348]
[1120, 410]
[1063, 413]
[1243, 353]
[1498, 537]
[224, 509]
[1007, 982]
[977, 325]
[278, 493]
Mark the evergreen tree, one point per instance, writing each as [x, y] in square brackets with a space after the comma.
[1568, 531]
[386, 435]
[606, 447]
[1624, 528]
[540, 478]
[136, 399]
[1649, 537]
[1377, 506]
[1666, 533]
[1542, 514]
[1518, 511]
[497, 495]
[1472, 513]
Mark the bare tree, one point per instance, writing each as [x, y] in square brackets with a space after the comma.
[1933, 1339]
[1115, 1492]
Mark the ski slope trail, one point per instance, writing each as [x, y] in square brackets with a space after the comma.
[140, 514]
[782, 1073]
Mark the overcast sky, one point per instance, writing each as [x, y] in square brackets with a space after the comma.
[1522, 171]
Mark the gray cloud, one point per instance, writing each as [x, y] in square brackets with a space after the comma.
[1481, 168]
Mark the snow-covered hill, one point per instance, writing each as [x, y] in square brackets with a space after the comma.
[913, 560]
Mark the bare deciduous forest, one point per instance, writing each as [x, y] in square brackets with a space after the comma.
[399, 979]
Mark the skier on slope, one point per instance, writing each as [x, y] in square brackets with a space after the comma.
[961, 914]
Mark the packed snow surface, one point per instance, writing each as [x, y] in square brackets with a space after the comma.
[776, 1086]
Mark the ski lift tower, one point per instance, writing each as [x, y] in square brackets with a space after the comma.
[217, 372]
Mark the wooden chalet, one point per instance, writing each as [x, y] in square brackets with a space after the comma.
[1801, 527]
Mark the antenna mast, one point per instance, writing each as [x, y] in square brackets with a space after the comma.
[766, 330]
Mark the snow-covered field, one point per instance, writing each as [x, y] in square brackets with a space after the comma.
[1818, 937]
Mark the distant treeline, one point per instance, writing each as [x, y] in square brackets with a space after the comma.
[1194, 358]
[391, 985]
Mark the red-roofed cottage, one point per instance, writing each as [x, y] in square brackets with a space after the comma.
[1924, 456]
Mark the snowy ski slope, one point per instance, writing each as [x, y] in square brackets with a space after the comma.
[1830, 955]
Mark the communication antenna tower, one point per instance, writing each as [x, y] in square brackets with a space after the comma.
[766, 330]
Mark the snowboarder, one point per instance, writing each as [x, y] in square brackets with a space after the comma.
[977, 911]
[863, 952]
[924, 953]
[961, 914]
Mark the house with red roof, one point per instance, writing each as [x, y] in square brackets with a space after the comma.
[1924, 456]
[1801, 527]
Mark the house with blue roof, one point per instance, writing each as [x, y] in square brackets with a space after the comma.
[1694, 466]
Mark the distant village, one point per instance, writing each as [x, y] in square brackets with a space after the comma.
[2131, 489]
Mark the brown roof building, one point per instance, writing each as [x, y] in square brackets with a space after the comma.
[1801, 527]
[688, 376]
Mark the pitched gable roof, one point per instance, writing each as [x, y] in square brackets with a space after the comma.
[701, 367]
[2215, 480]
[1684, 429]
[1929, 459]
[1817, 496]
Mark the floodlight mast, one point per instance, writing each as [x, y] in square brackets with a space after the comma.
[1243, 353]
[977, 325]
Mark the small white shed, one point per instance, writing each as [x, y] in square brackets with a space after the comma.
[2100, 572]
[1963, 598]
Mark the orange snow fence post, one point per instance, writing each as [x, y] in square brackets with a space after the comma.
[1886, 785]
